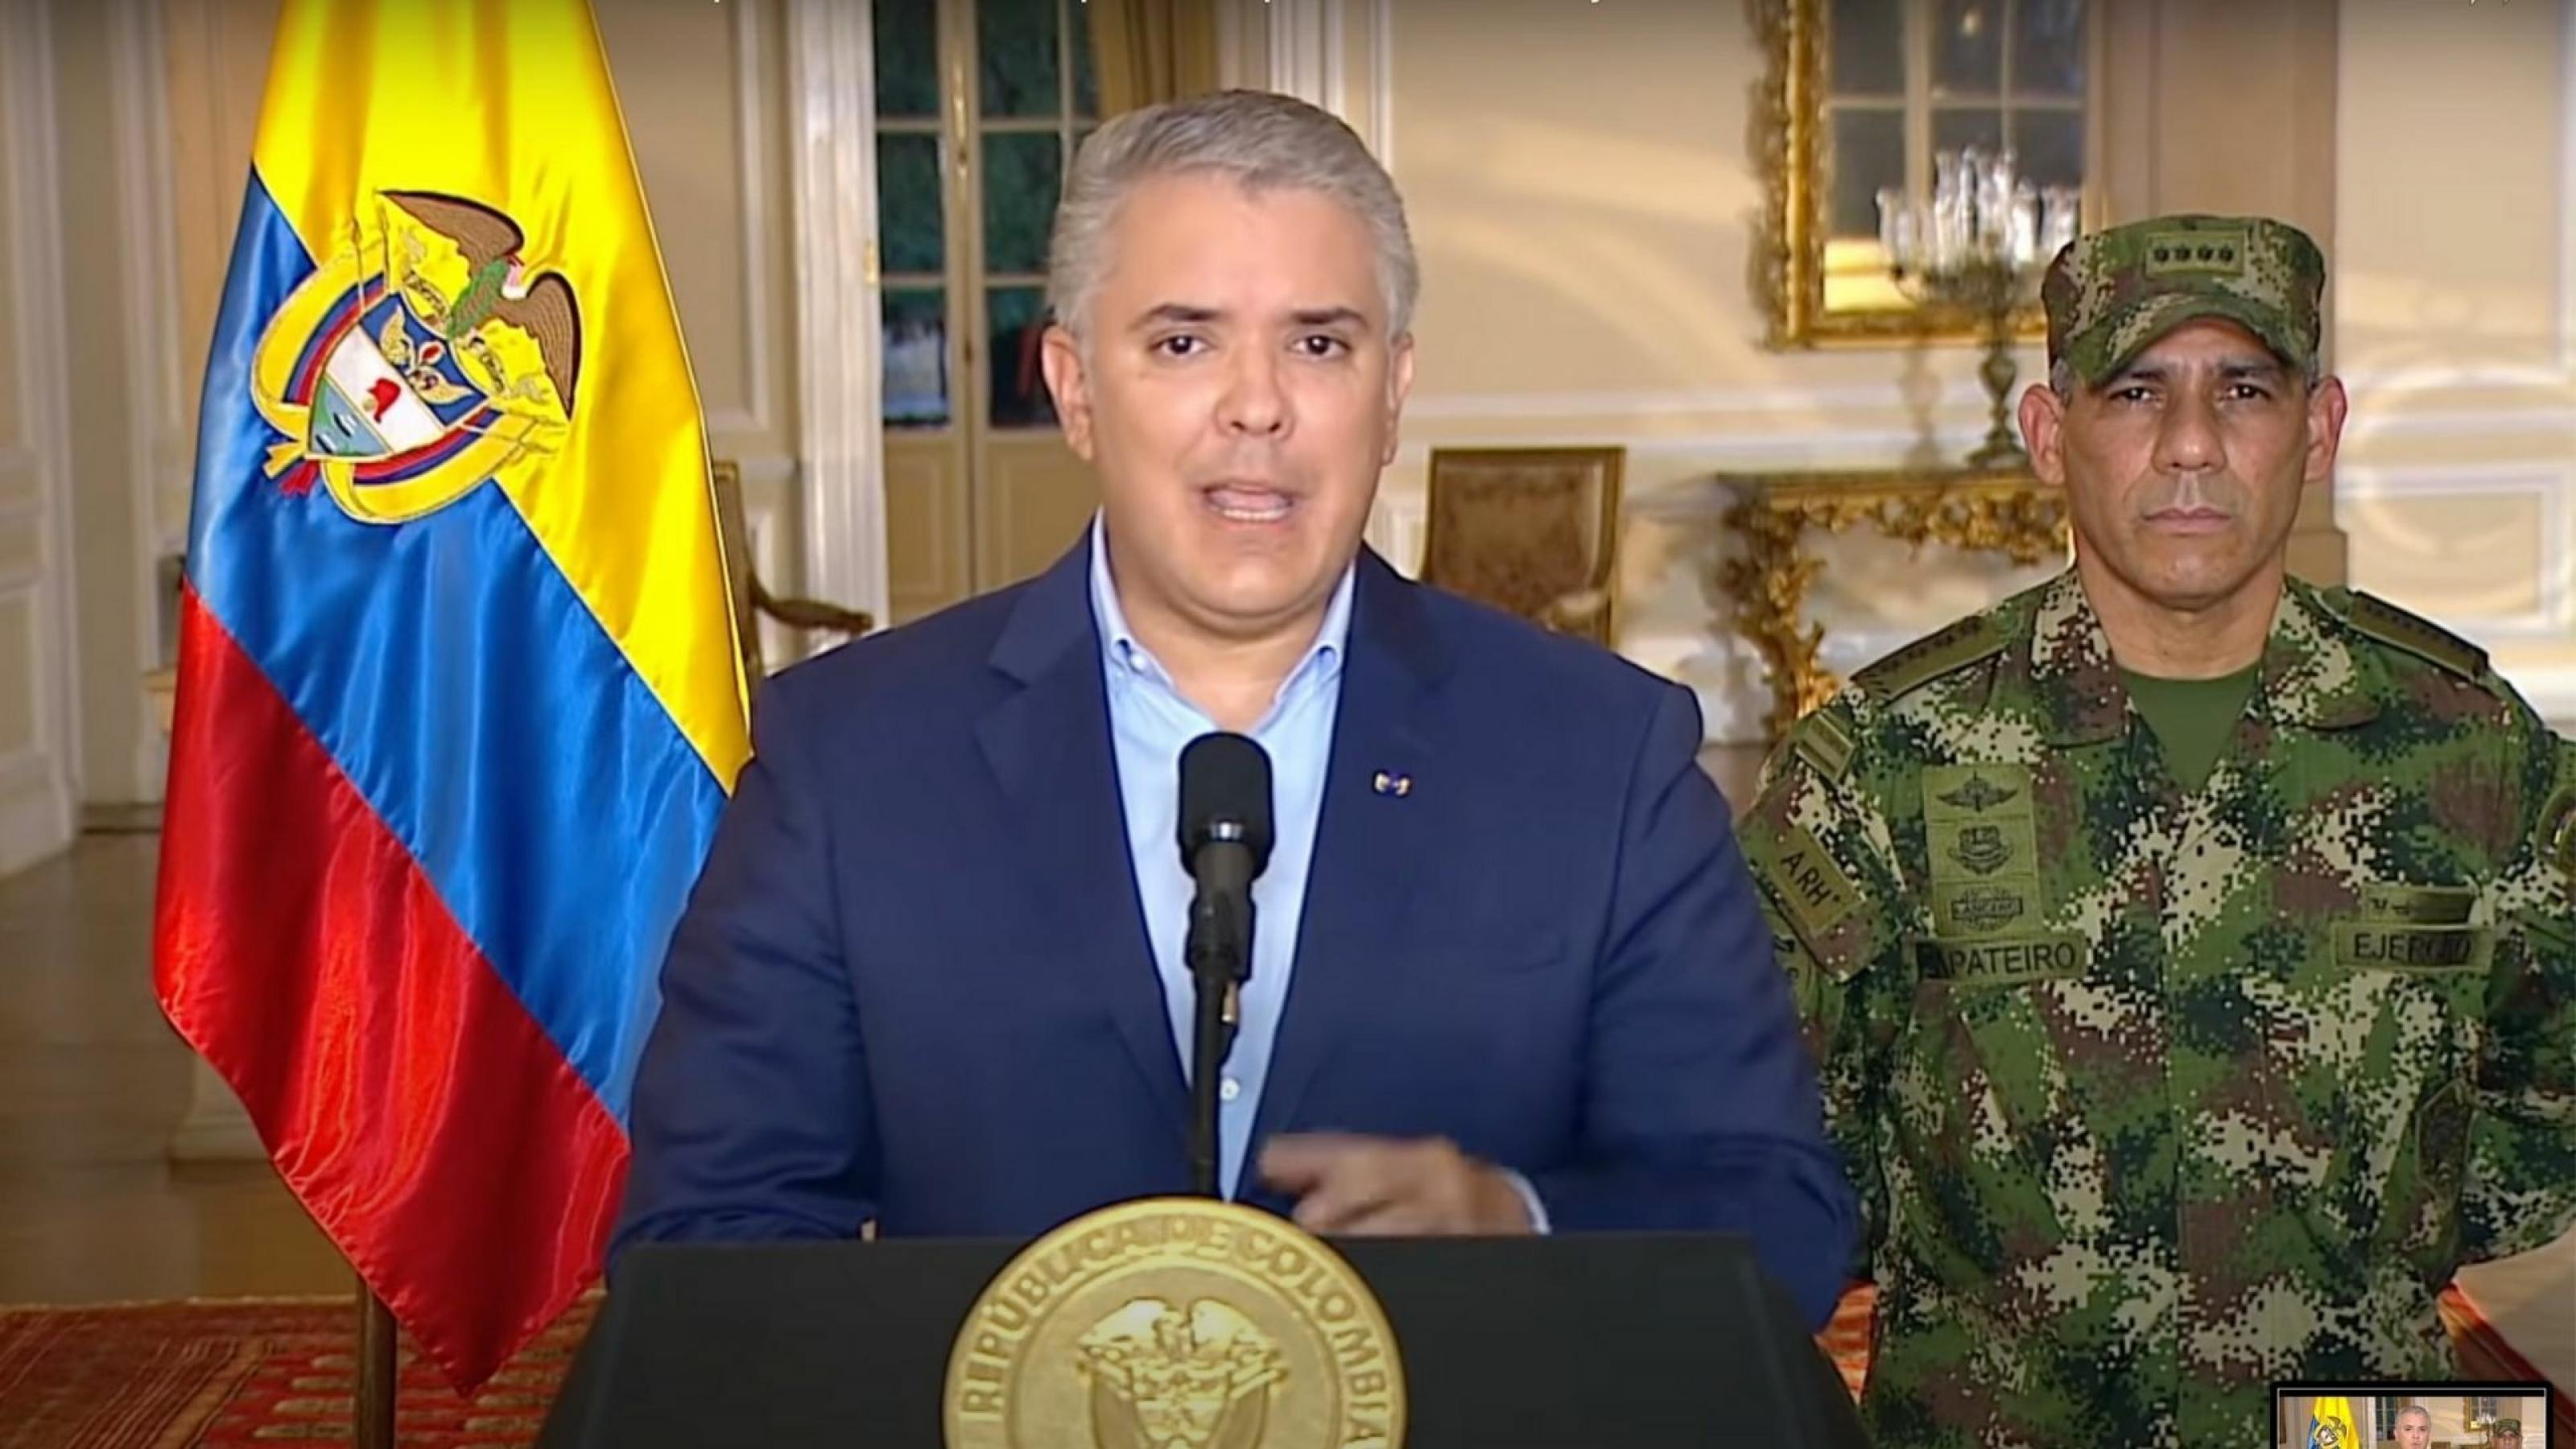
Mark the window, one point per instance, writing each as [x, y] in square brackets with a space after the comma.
[1907, 79]
[980, 104]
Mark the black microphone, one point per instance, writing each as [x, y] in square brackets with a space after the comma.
[1225, 837]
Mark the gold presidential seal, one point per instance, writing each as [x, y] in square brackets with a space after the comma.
[1175, 1323]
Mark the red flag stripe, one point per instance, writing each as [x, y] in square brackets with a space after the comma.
[399, 1095]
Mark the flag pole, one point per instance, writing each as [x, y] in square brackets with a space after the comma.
[374, 1425]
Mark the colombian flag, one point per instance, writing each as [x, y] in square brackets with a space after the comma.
[459, 696]
[2330, 1424]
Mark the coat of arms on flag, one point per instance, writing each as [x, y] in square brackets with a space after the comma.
[418, 360]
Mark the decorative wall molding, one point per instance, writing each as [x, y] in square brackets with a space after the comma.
[2553, 485]
[2561, 375]
[1960, 393]
[36, 811]
[2548, 421]
[831, 103]
[1851, 447]
[39, 788]
[157, 452]
[2536, 407]
[2398, 382]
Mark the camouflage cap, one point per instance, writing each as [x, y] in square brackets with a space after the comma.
[2506, 1426]
[2112, 293]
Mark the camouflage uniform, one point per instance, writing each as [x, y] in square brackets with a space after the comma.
[2153, 1096]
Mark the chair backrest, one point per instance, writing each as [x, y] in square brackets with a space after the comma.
[734, 534]
[1534, 531]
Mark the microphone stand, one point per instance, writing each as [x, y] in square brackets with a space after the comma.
[1219, 953]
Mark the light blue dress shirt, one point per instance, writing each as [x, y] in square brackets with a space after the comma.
[1149, 724]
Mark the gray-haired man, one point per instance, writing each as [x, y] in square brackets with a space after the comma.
[1508, 972]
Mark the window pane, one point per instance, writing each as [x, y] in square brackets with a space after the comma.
[1015, 43]
[1086, 72]
[907, 41]
[2051, 144]
[1956, 129]
[2048, 48]
[1021, 174]
[916, 357]
[908, 204]
[1869, 152]
[1868, 41]
[1017, 319]
[1967, 47]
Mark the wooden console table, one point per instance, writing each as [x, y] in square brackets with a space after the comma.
[2004, 511]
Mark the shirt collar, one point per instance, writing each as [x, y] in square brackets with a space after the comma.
[1126, 652]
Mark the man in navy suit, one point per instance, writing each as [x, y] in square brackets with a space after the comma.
[1509, 973]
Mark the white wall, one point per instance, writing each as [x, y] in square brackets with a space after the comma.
[2455, 319]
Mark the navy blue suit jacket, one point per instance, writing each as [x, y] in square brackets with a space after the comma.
[913, 983]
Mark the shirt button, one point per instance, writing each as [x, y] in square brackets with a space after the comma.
[1229, 1089]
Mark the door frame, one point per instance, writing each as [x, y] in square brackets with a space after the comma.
[831, 101]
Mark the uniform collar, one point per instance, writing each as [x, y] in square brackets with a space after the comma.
[2313, 674]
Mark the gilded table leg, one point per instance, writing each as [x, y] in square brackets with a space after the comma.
[1769, 585]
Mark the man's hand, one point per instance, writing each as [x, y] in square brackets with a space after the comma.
[1383, 1187]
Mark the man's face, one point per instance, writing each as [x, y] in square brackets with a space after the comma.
[2182, 471]
[1238, 394]
[2508, 1439]
[2414, 1431]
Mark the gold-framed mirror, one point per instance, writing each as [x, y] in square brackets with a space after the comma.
[1862, 94]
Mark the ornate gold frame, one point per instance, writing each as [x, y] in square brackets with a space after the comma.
[1590, 612]
[1789, 255]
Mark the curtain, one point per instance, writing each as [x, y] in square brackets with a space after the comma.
[1149, 51]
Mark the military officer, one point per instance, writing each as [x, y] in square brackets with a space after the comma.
[2189, 951]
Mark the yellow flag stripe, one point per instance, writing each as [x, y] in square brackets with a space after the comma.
[509, 103]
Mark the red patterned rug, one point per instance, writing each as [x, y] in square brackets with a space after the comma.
[243, 1373]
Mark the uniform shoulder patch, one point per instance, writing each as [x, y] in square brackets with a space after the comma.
[1815, 889]
[1825, 739]
[1944, 651]
[2378, 619]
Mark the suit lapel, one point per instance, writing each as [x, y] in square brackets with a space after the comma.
[1357, 897]
[1048, 747]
